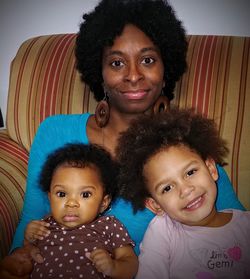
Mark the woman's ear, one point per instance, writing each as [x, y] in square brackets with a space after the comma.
[152, 205]
[105, 203]
[211, 165]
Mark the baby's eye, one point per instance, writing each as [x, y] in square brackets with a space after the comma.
[117, 64]
[86, 195]
[61, 194]
[167, 188]
[148, 60]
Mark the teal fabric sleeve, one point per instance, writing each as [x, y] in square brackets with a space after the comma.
[226, 197]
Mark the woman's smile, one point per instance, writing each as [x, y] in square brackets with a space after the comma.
[135, 94]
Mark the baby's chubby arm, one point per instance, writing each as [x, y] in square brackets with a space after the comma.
[123, 264]
[36, 230]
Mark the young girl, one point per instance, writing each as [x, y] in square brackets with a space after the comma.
[168, 163]
[75, 240]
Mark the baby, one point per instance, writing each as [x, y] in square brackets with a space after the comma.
[76, 240]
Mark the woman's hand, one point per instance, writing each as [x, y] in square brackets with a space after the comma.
[19, 264]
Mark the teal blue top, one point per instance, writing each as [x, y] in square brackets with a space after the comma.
[58, 130]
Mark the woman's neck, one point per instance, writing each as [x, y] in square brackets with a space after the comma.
[108, 135]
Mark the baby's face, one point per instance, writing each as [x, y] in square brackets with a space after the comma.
[76, 195]
[183, 185]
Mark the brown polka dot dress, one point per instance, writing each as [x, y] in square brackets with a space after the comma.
[64, 249]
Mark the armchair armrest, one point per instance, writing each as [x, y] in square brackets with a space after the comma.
[13, 172]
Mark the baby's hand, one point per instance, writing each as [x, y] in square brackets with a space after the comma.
[102, 261]
[35, 230]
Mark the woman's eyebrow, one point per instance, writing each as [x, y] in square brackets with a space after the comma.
[119, 52]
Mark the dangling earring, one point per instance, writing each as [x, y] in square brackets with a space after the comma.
[102, 112]
[161, 105]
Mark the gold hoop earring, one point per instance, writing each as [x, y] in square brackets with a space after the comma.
[102, 112]
[161, 105]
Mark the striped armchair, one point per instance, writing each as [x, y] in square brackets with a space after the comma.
[43, 82]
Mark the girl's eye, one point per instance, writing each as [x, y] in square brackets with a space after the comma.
[86, 195]
[167, 188]
[61, 194]
[148, 60]
[191, 172]
[117, 64]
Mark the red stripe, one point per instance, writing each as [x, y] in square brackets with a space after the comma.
[16, 184]
[53, 70]
[17, 152]
[18, 85]
[203, 76]
[240, 114]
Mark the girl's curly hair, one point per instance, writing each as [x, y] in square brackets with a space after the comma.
[100, 27]
[80, 155]
[148, 135]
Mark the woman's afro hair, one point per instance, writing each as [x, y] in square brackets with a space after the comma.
[101, 26]
[79, 155]
[148, 135]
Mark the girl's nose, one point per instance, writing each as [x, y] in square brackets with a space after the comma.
[186, 189]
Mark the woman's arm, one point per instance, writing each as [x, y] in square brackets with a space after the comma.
[226, 197]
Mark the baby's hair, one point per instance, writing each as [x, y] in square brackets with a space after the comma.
[148, 135]
[101, 26]
[79, 155]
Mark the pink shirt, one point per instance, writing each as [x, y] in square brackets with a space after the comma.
[173, 250]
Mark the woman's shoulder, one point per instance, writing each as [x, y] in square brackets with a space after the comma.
[64, 119]
[62, 125]
[57, 130]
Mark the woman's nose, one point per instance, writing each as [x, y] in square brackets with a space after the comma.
[134, 73]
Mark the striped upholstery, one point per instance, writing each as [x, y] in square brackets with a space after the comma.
[13, 172]
[43, 82]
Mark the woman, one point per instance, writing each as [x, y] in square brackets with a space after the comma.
[131, 53]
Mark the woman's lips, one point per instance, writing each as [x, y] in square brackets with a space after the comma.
[135, 95]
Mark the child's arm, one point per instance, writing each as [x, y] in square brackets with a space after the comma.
[36, 230]
[123, 264]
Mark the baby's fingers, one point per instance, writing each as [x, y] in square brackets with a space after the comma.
[102, 261]
[37, 230]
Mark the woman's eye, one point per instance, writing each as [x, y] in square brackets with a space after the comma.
[86, 195]
[61, 194]
[117, 63]
[148, 60]
[167, 188]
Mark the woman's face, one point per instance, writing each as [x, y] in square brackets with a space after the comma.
[132, 71]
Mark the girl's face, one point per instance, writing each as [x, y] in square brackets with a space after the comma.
[76, 195]
[132, 72]
[182, 185]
